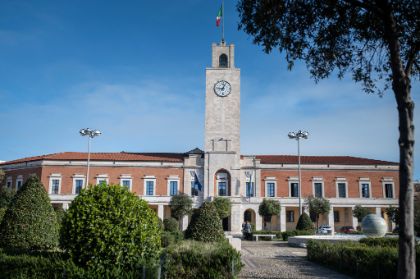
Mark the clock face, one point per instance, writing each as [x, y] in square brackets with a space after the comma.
[222, 88]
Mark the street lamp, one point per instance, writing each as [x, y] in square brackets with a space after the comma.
[297, 136]
[90, 134]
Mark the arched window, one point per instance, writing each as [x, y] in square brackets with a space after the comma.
[223, 183]
[223, 61]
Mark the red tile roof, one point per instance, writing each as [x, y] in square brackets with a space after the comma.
[115, 156]
[332, 160]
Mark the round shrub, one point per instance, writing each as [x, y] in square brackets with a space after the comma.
[107, 226]
[171, 224]
[30, 222]
[304, 222]
[205, 224]
[268, 208]
[223, 206]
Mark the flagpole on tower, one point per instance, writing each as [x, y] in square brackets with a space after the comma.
[223, 21]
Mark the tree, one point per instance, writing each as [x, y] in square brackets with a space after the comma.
[181, 205]
[417, 216]
[223, 206]
[268, 208]
[30, 222]
[318, 206]
[393, 214]
[6, 196]
[2, 178]
[304, 223]
[205, 224]
[109, 227]
[170, 224]
[377, 42]
[360, 212]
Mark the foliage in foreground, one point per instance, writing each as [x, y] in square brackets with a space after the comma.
[108, 226]
[205, 224]
[304, 223]
[196, 260]
[223, 206]
[372, 258]
[30, 222]
[181, 205]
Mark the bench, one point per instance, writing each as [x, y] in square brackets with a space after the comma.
[264, 235]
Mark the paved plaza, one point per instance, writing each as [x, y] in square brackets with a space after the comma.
[274, 259]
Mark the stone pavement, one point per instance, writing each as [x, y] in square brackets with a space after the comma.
[274, 259]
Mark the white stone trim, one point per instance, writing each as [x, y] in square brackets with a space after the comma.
[146, 179]
[168, 186]
[266, 188]
[78, 177]
[344, 181]
[9, 182]
[384, 182]
[322, 187]
[290, 181]
[19, 179]
[126, 177]
[54, 176]
[365, 181]
[100, 177]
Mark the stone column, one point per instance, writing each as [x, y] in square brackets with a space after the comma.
[258, 222]
[236, 219]
[378, 211]
[354, 221]
[283, 219]
[331, 219]
[184, 223]
[161, 211]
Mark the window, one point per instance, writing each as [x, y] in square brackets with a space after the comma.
[9, 182]
[173, 187]
[318, 189]
[270, 188]
[223, 61]
[336, 216]
[78, 185]
[290, 216]
[102, 179]
[19, 182]
[55, 186]
[222, 188]
[126, 182]
[365, 190]
[150, 187]
[194, 188]
[341, 188]
[389, 190]
[250, 189]
[294, 189]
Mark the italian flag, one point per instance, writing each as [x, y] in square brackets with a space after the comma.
[219, 17]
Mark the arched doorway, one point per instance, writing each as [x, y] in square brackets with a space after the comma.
[249, 216]
[222, 183]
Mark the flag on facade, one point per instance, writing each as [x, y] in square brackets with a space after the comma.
[219, 17]
[197, 182]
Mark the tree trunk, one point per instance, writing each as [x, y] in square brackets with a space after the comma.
[402, 91]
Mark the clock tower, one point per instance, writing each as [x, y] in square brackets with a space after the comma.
[222, 124]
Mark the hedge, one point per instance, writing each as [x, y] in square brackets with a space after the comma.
[277, 233]
[287, 234]
[380, 241]
[196, 260]
[358, 259]
[170, 238]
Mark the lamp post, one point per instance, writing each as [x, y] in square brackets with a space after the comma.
[90, 134]
[297, 136]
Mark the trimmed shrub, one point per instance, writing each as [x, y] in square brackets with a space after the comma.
[107, 226]
[30, 222]
[287, 234]
[196, 260]
[2, 212]
[170, 224]
[170, 238]
[380, 241]
[180, 205]
[59, 214]
[304, 223]
[6, 196]
[205, 224]
[358, 259]
[223, 206]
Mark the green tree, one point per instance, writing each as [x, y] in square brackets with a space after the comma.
[360, 212]
[205, 224]
[2, 178]
[6, 196]
[377, 42]
[318, 206]
[107, 226]
[30, 222]
[170, 224]
[268, 208]
[223, 206]
[393, 213]
[304, 223]
[181, 205]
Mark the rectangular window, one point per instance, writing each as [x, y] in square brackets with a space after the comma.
[271, 189]
[294, 189]
[78, 185]
[19, 184]
[336, 216]
[290, 216]
[9, 184]
[318, 189]
[222, 188]
[55, 186]
[126, 183]
[173, 187]
[102, 181]
[150, 187]
[250, 189]
[389, 193]
[341, 189]
[365, 190]
[194, 188]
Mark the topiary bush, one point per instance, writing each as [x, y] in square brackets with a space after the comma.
[170, 238]
[170, 224]
[205, 224]
[304, 223]
[107, 226]
[223, 206]
[30, 222]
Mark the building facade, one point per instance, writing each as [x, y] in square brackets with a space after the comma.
[221, 170]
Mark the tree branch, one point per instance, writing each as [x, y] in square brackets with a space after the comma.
[365, 6]
[411, 58]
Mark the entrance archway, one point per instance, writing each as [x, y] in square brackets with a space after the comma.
[249, 216]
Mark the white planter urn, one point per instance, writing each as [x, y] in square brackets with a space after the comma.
[374, 226]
